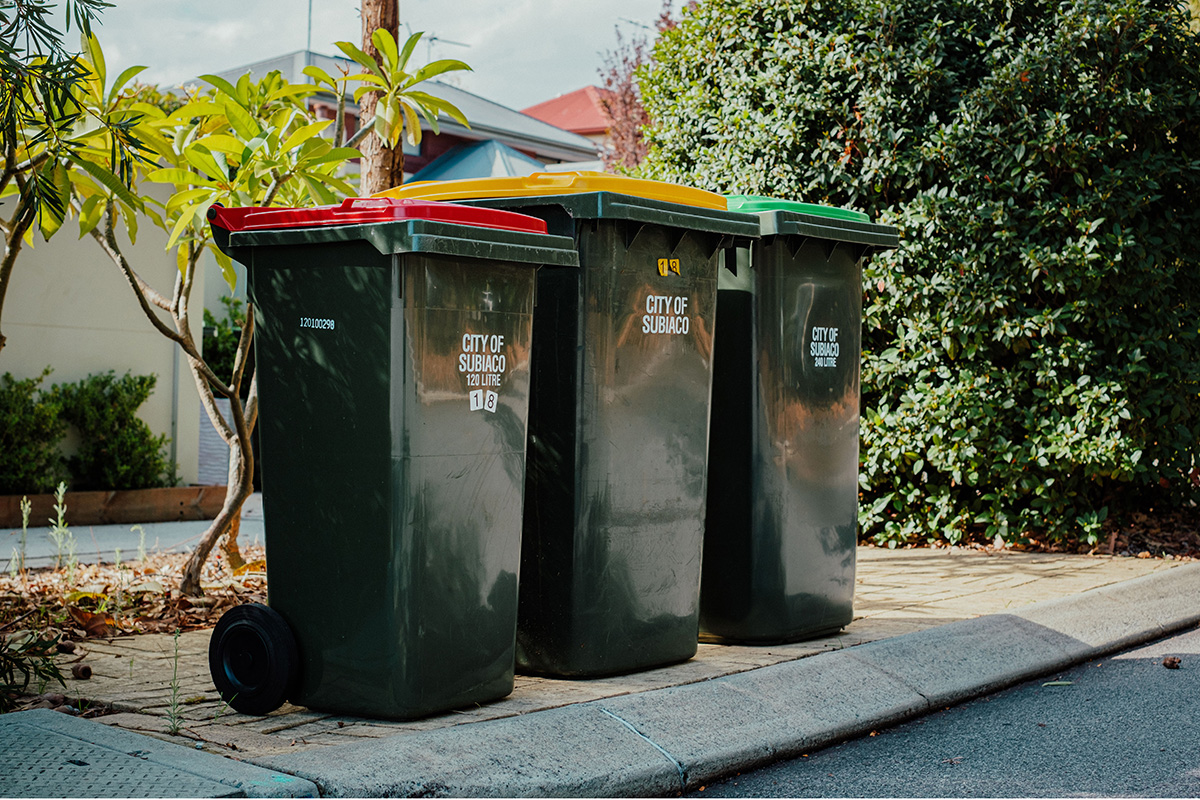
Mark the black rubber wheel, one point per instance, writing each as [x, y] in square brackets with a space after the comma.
[253, 659]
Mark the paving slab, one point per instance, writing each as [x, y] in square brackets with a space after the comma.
[45, 753]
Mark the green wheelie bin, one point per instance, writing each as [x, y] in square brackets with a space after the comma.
[782, 519]
[618, 426]
[393, 343]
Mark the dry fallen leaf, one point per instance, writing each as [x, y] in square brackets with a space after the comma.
[93, 625]
[1171, 662]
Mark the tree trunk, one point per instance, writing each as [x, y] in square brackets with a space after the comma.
[382, 166]
[12, 246]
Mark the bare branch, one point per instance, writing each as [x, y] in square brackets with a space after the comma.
[243, 349]
[364, 128]
[22, 220]
[339, 127]
[20, 169]
[275, 186]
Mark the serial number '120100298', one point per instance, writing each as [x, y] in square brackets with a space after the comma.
[319, 324]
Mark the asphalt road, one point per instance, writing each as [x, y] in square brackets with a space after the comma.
[1122, 726]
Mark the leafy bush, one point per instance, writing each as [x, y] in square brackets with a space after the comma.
[118, 450]
[30, 432]
[1031, 357]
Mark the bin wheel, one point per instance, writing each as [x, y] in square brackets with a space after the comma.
[253, 659]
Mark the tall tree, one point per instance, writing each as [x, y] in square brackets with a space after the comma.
[388, 102]
[249, 143]
[382, 164]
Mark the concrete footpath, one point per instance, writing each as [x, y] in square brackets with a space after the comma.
[932, 627]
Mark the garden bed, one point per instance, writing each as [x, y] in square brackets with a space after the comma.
[173, 503]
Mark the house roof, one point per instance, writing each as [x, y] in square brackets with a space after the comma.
[489, 159]
[489, 120]
[580, 111]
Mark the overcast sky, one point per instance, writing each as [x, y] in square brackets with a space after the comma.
[522, 51]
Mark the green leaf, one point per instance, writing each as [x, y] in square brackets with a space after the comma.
[197, 109]
[435, 68]
[221, 85]
[330, 181]
[413, 124]
[202, 159]
[126, 75]
[186, 216]
[179, 177]
[318, 192]
[319, 75]
[52, 215]
[241, 120]
[385, 43]
[334, 154]
[292, 91]
[226, 265]
[95, 55]
[409, 45]
[91, 211]
[305, 133]
[225, 144]
[186, 197]
[109, 181]
[359, 56]
[438, 104]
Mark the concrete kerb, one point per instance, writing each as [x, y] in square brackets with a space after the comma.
[667, 740]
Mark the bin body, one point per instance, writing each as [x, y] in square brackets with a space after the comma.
[394, 370]
[781, 522]
[615, 486]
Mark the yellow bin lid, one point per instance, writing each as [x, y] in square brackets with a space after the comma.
[548, 183]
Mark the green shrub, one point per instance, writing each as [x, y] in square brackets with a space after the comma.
[1031, 359]
[117, 450]
[30, 432]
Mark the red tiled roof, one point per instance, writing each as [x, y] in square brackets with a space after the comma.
[579, 111]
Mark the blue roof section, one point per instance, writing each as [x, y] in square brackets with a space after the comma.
[488, 120]
[489, 159]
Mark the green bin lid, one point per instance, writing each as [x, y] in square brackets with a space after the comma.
[791, 218]
[752, 203]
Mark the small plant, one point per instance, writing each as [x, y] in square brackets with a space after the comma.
[174, 715]
[60, 534]
[141, 542]
[17, 562]
[27, 656]
[222, 708]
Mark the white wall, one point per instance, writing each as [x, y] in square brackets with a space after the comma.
[69, 307]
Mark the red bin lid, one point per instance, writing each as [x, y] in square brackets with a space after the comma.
[364, 210]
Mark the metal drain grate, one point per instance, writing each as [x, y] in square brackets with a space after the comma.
[35, 762]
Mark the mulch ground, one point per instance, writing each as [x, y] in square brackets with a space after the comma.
[139, 596]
